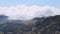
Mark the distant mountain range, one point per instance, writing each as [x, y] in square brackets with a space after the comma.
[4, 19]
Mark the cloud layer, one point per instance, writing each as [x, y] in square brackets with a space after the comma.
[27, 12]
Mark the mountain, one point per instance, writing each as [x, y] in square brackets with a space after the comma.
[50, 25]
[4, 19]
[44, 25]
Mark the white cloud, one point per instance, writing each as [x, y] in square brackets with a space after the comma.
[28, 12]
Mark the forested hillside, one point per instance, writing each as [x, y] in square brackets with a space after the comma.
[43, 25]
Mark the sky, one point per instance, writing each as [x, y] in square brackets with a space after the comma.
[27, 9]
[55, 3]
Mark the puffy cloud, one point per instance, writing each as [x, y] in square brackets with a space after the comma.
[27, 12]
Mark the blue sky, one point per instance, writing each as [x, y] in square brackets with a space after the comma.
[55, 3]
